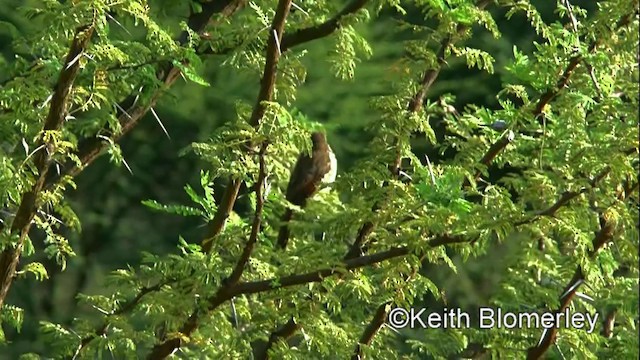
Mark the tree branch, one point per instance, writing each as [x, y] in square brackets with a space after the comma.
[291, 326]
[372, 329]
[545, 99]
[58, 111]
[227, 292]
[318, 275]
[357, 248]
[414, 105]
[606, 232]
[160, 351]
[566, 197]
[284, 332]
[257, 219]
[497, 147]
[603, 236]
[123, 309]
[267, 84]
[91, 148]
[305, 35]
[302, 36]
[268, 81]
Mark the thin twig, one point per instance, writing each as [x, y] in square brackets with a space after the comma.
[58, 111]
[602, 237]
[91, 148]
[305, 35]
[257, 219]
[265, 95]
[227, 292]
[545, 99]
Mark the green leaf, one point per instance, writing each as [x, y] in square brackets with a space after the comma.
[190, 73]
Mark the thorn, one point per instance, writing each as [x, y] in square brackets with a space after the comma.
[73, 61]
[544, 332]
[117, 22]
[104, 138]
[559, 351]
[584, 296]
[160, 122]
[25, 146]
[433, 178]
[570, 289]
[299, 8]
[234, 314]
[405, 175]
[275, 37]
[127, 165]
[135, 101]
[263, 29]
[122, 110]
[392, 328]
[33, 152]
[267, 189]
[46, 101]
[100, 310]
[55, 219]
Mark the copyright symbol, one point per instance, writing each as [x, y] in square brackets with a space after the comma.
[398, 318]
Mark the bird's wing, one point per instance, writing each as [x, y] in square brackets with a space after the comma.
[302, 182]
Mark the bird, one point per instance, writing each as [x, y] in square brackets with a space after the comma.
[309, 173]
[499, 125]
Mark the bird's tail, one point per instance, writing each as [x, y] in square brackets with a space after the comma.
[283, 235]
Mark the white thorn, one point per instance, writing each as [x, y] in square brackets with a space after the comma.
[160, 122]
[25, 146]
[33, 152]
[46, 101]
[584, 296]
[275, 37]
[544, 332]
[299, 8]
[117, 22]
[127, 165]
[104, 138]
[135, 101]
[99, 309]
[123, 110]
[433, 178]
[392, 328]
[405, 175]
[73, 61]
[570, 289]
